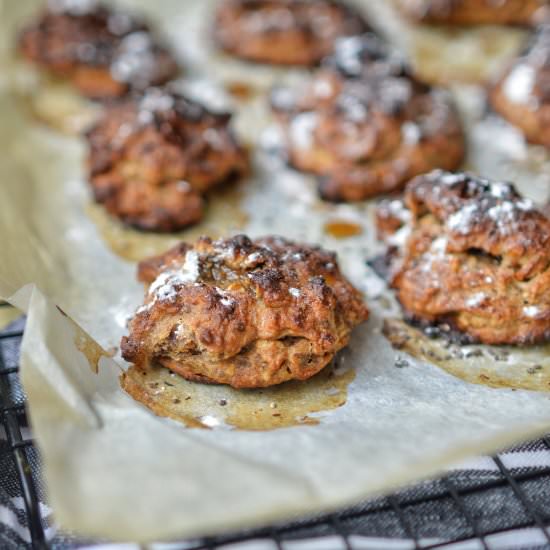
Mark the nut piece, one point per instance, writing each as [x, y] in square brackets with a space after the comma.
[153, 157]
[104, 53]
[473, 255]
[241, 312]
[365, 125]
[284, 32]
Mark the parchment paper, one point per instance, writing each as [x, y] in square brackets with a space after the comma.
[112, 468]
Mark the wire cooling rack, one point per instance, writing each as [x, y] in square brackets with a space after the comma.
[433, 514]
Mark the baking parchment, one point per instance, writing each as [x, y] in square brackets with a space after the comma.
[112, 468]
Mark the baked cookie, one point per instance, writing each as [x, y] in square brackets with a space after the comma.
[365, 125]
[476, 12]
[152, 158]
[470, 255]
[244, 313]
[284, 32]
[103, 53]
[522, 96]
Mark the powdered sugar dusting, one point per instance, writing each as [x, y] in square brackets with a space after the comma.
[518, 86]
[398, 210]
[495, 201]
[302, 128]
[531, 311]
[476, 299]
[135, 59]
[164, 288]
[73, 7]
[463, 220]
[411, 133]
[226, 300]
[437, 251]
[400, 237]
[501, 190]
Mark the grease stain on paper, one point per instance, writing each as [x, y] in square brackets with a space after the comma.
[442, 54]
[223, 215]
[90, 348]
[342, 229]
[209, 406]
[53, 101]
[526, 368]
[241, 91]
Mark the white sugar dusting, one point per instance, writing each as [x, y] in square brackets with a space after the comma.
[463, 220]
[253, 258]
[446, 178]
[295, 292]
[500, 190]
[210, 421]
[439, 246]
[348, 53]
[164, 287]
[223, 252]
[397, 210]
[400, 237]
[213, 137]
[225, 298]
[154, 101]
[283, 98]
[411, 133]
[322, 87]
[518, 86]
[503, 212]
[73, 7]
[302, 128]
[436, 252]
[495, 201]
[180, 330]
[183, 186]
[531, 311]
[476, 299]
[135, 60]
[275, 20]
[354, 108]
[119, 23]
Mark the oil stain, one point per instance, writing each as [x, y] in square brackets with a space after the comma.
[223, 215]
[441, 54]
[209, 406]
[53, 102]
[342, 229]
[241, 91]
[526, 368]
[90, 348]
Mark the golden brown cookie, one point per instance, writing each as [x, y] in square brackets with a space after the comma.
[103, 53]
[241, 312]
[470, 255]
[284, 32]
[152, 158]
[522, 96]
[364, 125]
[476, 12]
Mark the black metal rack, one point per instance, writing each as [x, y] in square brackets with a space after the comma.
[433, 514]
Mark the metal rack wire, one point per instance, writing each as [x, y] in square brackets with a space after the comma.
[465, 503]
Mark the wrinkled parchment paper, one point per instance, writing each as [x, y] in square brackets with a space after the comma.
[115, 470]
